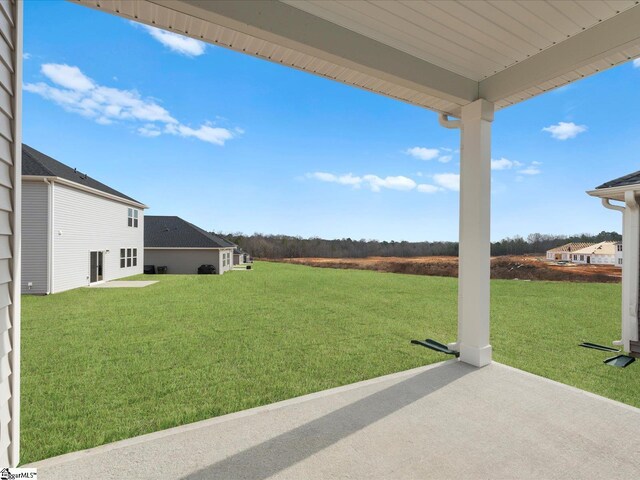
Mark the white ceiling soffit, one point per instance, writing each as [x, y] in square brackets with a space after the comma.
[439, 55]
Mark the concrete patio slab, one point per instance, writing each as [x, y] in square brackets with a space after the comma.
[442, 421]
[125, 284]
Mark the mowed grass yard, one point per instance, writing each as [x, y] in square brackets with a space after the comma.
[101, 365]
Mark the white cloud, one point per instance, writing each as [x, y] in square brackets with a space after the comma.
[426, 188]
[450, 181]
[26, 56]
[75, 92]
[504, 164]
[424, 153]
[206, 133]
[189, 47]
[531, 170]
[149, 130]
[636, 63]
[376, 183]
[67, 76]
[323, 176]
[565, 130]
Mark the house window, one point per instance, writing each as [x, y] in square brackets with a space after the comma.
[582, 258]
[619, 248]
[132, 218]
[128, 257]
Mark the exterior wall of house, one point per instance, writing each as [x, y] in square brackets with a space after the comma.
[184, 261]
[35, 237]
[595, 259]
[10, 231]
[557, 256]
[226, 259]
[238, 259]
[84, 222]
[618, 262]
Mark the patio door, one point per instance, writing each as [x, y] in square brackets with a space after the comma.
[96, 266]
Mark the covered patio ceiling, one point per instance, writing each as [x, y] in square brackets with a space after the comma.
[440, 55]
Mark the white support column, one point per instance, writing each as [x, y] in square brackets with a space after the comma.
[475, 243]
[630, 268]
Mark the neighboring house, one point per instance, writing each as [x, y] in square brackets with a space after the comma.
[627, 190]
[619, 254]
[603, 253]
[182, 247]
[75, 230]
[240, 257]
[564, 252]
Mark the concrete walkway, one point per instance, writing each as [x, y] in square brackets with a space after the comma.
[124, 284]
[445, 421]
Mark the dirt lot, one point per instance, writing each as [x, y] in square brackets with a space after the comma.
[510, 267]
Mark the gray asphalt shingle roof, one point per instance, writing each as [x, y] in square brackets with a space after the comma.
[39, 164]
[174, 232]
[631, 179]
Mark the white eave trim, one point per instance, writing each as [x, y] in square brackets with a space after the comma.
[614, 193]
[84, 188]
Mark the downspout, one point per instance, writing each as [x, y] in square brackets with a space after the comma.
[444, 121]
[606, 203]
[50, 238]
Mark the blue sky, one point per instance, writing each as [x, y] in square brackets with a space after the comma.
[234, 143]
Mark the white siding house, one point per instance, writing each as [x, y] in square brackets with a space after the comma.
[182, 247]
[619, 254]
[603, 253]
[564, 252]
[77, 230]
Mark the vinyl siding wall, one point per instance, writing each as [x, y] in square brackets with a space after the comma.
[83, 223]
[229, 263]
[35, 230]
[10, 212]
[184, 261]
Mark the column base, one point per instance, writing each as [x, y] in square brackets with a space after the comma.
[476, 356]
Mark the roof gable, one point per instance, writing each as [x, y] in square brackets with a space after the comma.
[38, 164]
[602, 248]
[174, 232]
[571, 247]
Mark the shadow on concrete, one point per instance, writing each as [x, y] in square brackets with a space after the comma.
[276, 454]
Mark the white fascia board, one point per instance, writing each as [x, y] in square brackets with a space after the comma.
[611, 36]
[69, 183]
[614, 193]
[287, 26]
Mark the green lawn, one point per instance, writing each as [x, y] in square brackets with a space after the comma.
[101, 365]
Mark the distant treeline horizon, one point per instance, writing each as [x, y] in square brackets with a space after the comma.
[286, 246]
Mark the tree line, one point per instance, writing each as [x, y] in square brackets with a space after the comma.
[284, 246]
